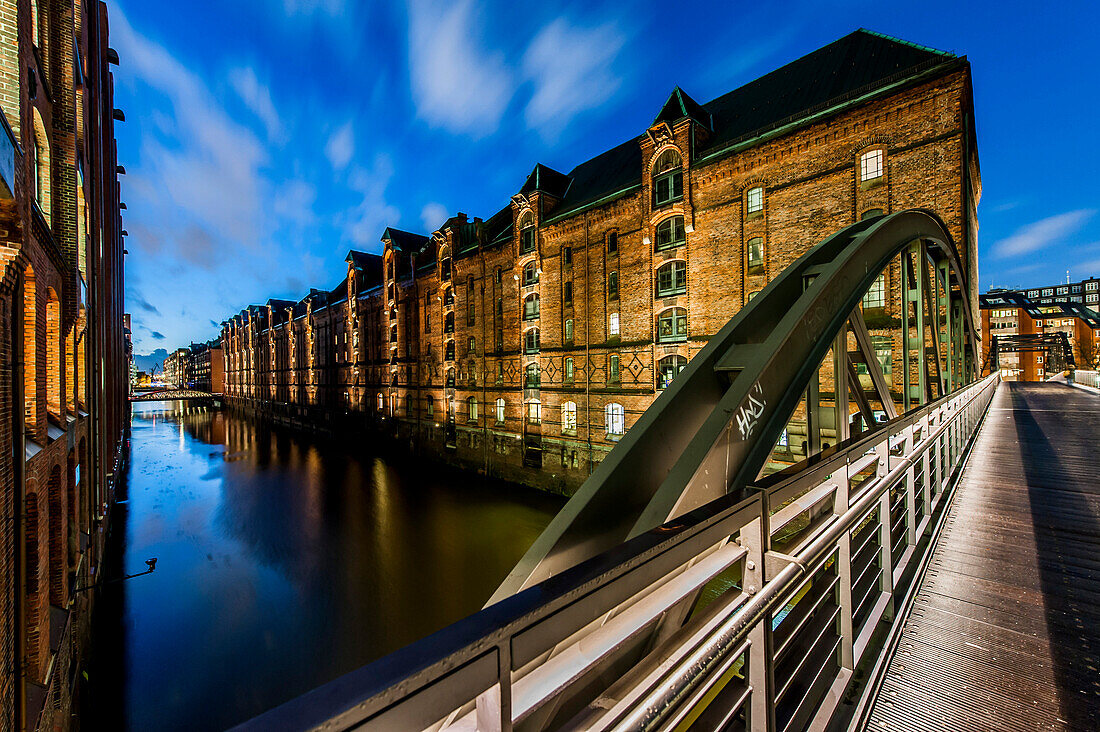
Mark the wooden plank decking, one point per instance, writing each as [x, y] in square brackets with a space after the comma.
[1004, 632]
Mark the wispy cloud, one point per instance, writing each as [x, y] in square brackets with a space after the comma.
[257, 97]
[341, 146]
[1041, 234]
[156, 335]
[570, 67]
[294, 202]
[136, 299]
[432, 216]
[364, 224]
[457, 82]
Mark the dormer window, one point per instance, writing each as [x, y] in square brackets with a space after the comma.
[445, 270]
[668, 178]
[526, 234]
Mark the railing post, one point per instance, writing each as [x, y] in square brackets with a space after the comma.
[841, 503]
[910, 489]
[886, 555]
[761, 670]
[494, 705]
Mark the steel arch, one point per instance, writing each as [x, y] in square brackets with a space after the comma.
[712, 429]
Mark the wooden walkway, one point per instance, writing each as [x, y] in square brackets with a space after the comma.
[1004, 633]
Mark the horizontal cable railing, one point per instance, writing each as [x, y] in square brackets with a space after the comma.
[752, 611]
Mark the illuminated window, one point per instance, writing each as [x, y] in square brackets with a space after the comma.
[870, 165]
[449, 351]
[755, 247]
[613, 324]
[471, 409]
[667, 368]
[500, 411]
[531, 378]
[534, 412]
[672, 325]
[876, 296]
[569, 418]
[754, 200]
[615, 419]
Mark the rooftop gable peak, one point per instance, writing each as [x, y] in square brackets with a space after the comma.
[680, 105]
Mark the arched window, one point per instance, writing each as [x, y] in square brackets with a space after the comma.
[471, 409]
[427, 312]
[534, 412]
[531, 379]
[449, 351]
[500, 410]
[569, 370]
[612, 285]
[667, 368]
[448, 296]
[445, 266]
[670, 233]
[612, 242]
[530, 274]
[615, 419]
[531, 340]
[672, 325]
[531, 307]
[451, 378]
[569, 418]
[381, 402]
[41, 166]
[393, 403]
[568, 330]
[755, 251]
[471, 346]
[31, 363]
[449, 323]
[754, 200]
[871, 165]
[672, 279]
[870, 214]
[526, 234]
[668, 178]
[393, 334]
[614, 376]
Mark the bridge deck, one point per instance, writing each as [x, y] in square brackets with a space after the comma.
[1004, 633]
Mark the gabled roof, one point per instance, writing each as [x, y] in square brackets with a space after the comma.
[680, 105]
[856, 65]
[369, 264]
[404, 241]
[546, 180]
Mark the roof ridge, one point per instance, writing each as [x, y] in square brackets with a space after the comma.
[904, 42]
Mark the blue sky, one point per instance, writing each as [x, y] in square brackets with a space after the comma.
[265, 138]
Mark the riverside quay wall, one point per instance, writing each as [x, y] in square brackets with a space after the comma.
[525, 344]
[63, 346]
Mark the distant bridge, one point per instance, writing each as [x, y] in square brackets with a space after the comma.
[164, 395]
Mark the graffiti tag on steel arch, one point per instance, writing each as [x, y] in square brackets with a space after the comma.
[750, 411]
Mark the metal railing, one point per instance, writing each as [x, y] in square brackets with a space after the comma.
[756, 608]
[1086, 378]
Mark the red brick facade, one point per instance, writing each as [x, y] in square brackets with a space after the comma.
[61, 423]
[633, 271]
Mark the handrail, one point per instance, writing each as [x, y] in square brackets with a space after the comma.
[440, 676]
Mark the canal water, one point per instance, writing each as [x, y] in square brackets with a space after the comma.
[283, 561]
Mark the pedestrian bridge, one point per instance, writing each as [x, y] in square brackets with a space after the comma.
[159, 395]
[798, 534]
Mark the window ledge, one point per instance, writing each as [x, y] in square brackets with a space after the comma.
[872, 183]
[755, 215]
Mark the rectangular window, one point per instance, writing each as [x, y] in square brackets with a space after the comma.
[668, 188]
[1090, 286]
[568, 294]
[500, 411]
[567, 256]
[876, 296]
[870, 165]
[613, 324]
[756, 255]
[569, 418]
[569, 330]
[569, 371]
[534, 412]
[613, 286]
[527, 240]
[672, 279]
[755, 200]
[613, 369]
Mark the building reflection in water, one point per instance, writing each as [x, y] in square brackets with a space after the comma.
[285, 561]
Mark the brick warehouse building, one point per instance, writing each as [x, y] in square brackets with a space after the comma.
[525, 344]
[63, 346]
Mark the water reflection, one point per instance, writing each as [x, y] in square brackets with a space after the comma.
[283, 562]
